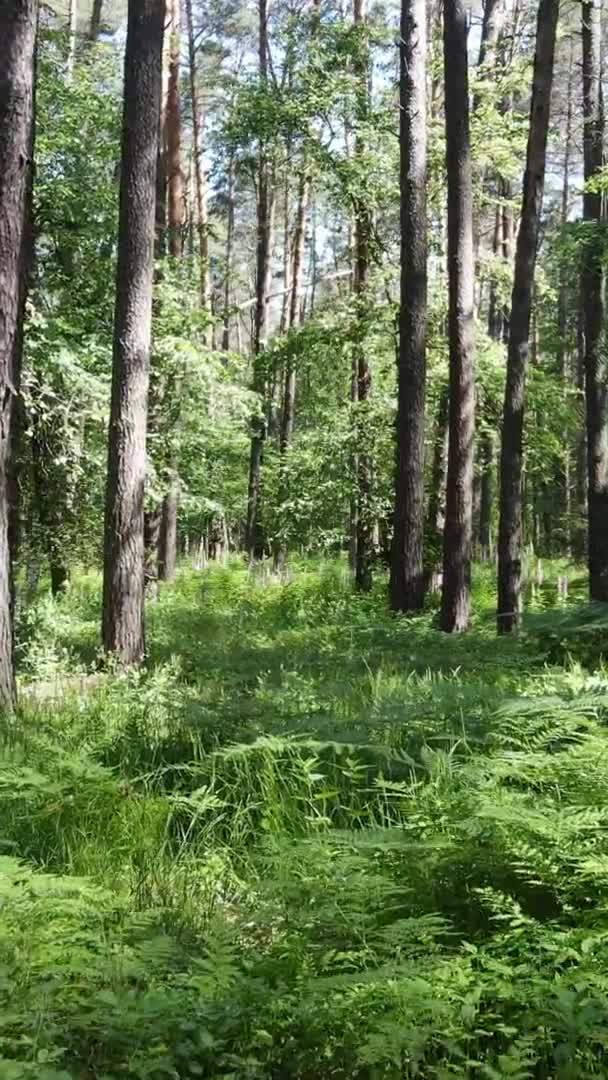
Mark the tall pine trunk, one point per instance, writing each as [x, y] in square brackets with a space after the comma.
[596, 367]
[167, 541]
[563, 470]
[18, 24]
[95, 23]
[510, 531]
[363, 559]
[175, 175]
[491, 29]
[265, 217]
[579, 539]
[486, 496]
[72, 32]
[287, 253]
[123, 586]
[486, 438]
[198, 129]
[435, 516]
[229, 252]
[458, 531]
[407, 579]
[289, 386]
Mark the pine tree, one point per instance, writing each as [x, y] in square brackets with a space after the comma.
[596, 368]
[18, 23]
[510, 522]
[123, 594]
[362, 238]
[458, 531]
[265, 222]
[407, 582]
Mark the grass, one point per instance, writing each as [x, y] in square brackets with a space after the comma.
[310, 840]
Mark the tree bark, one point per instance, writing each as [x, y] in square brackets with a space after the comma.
[95, 23]
[152, 520]
[289, 387]
[72, 30]
[579, 539]
[435, 518]
[363, 565]
[299, 240]
[486, 461]
[123, 593]
[167, 541]
[156, 391]
[353, 512]
[596, 367]
[407, 579]
[563, 470]
[287, 260]
[18, 24]
[486, 441]
[265, 216]
[491, 29]
[562, 300]
[51, 488]
[510, 533]
[458, 531]
[198, 129]
[175, 175]
[229, 247]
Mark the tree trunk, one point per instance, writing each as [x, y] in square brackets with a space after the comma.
[510, 533]
[153, 513]
[507, 247]
[18, 23]
[579, 539]
[72, 31]
[494, 12]
[596, 367]
[486, 441]
[289, 388]
[407, 579]
[495, 315]
[458, 531]
[152, 519]
[175, 176]
[363, 567]
[563, 470]
[435, 519]
[95, 24]
[486, 461]
[265, 215]
[299, 241]
[167, 541]
[295, 292]
[198, 128]
[491, 28]
[287, 257]
[562, 300]
[123, 593]
[51, 484]
[229, 246]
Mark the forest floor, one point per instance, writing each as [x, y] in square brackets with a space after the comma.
[312, 840]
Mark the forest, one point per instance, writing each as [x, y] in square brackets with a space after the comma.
[303, 540]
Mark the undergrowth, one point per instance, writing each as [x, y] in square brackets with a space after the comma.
[311, 840]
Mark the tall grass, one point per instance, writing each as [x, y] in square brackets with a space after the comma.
[310, 840]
